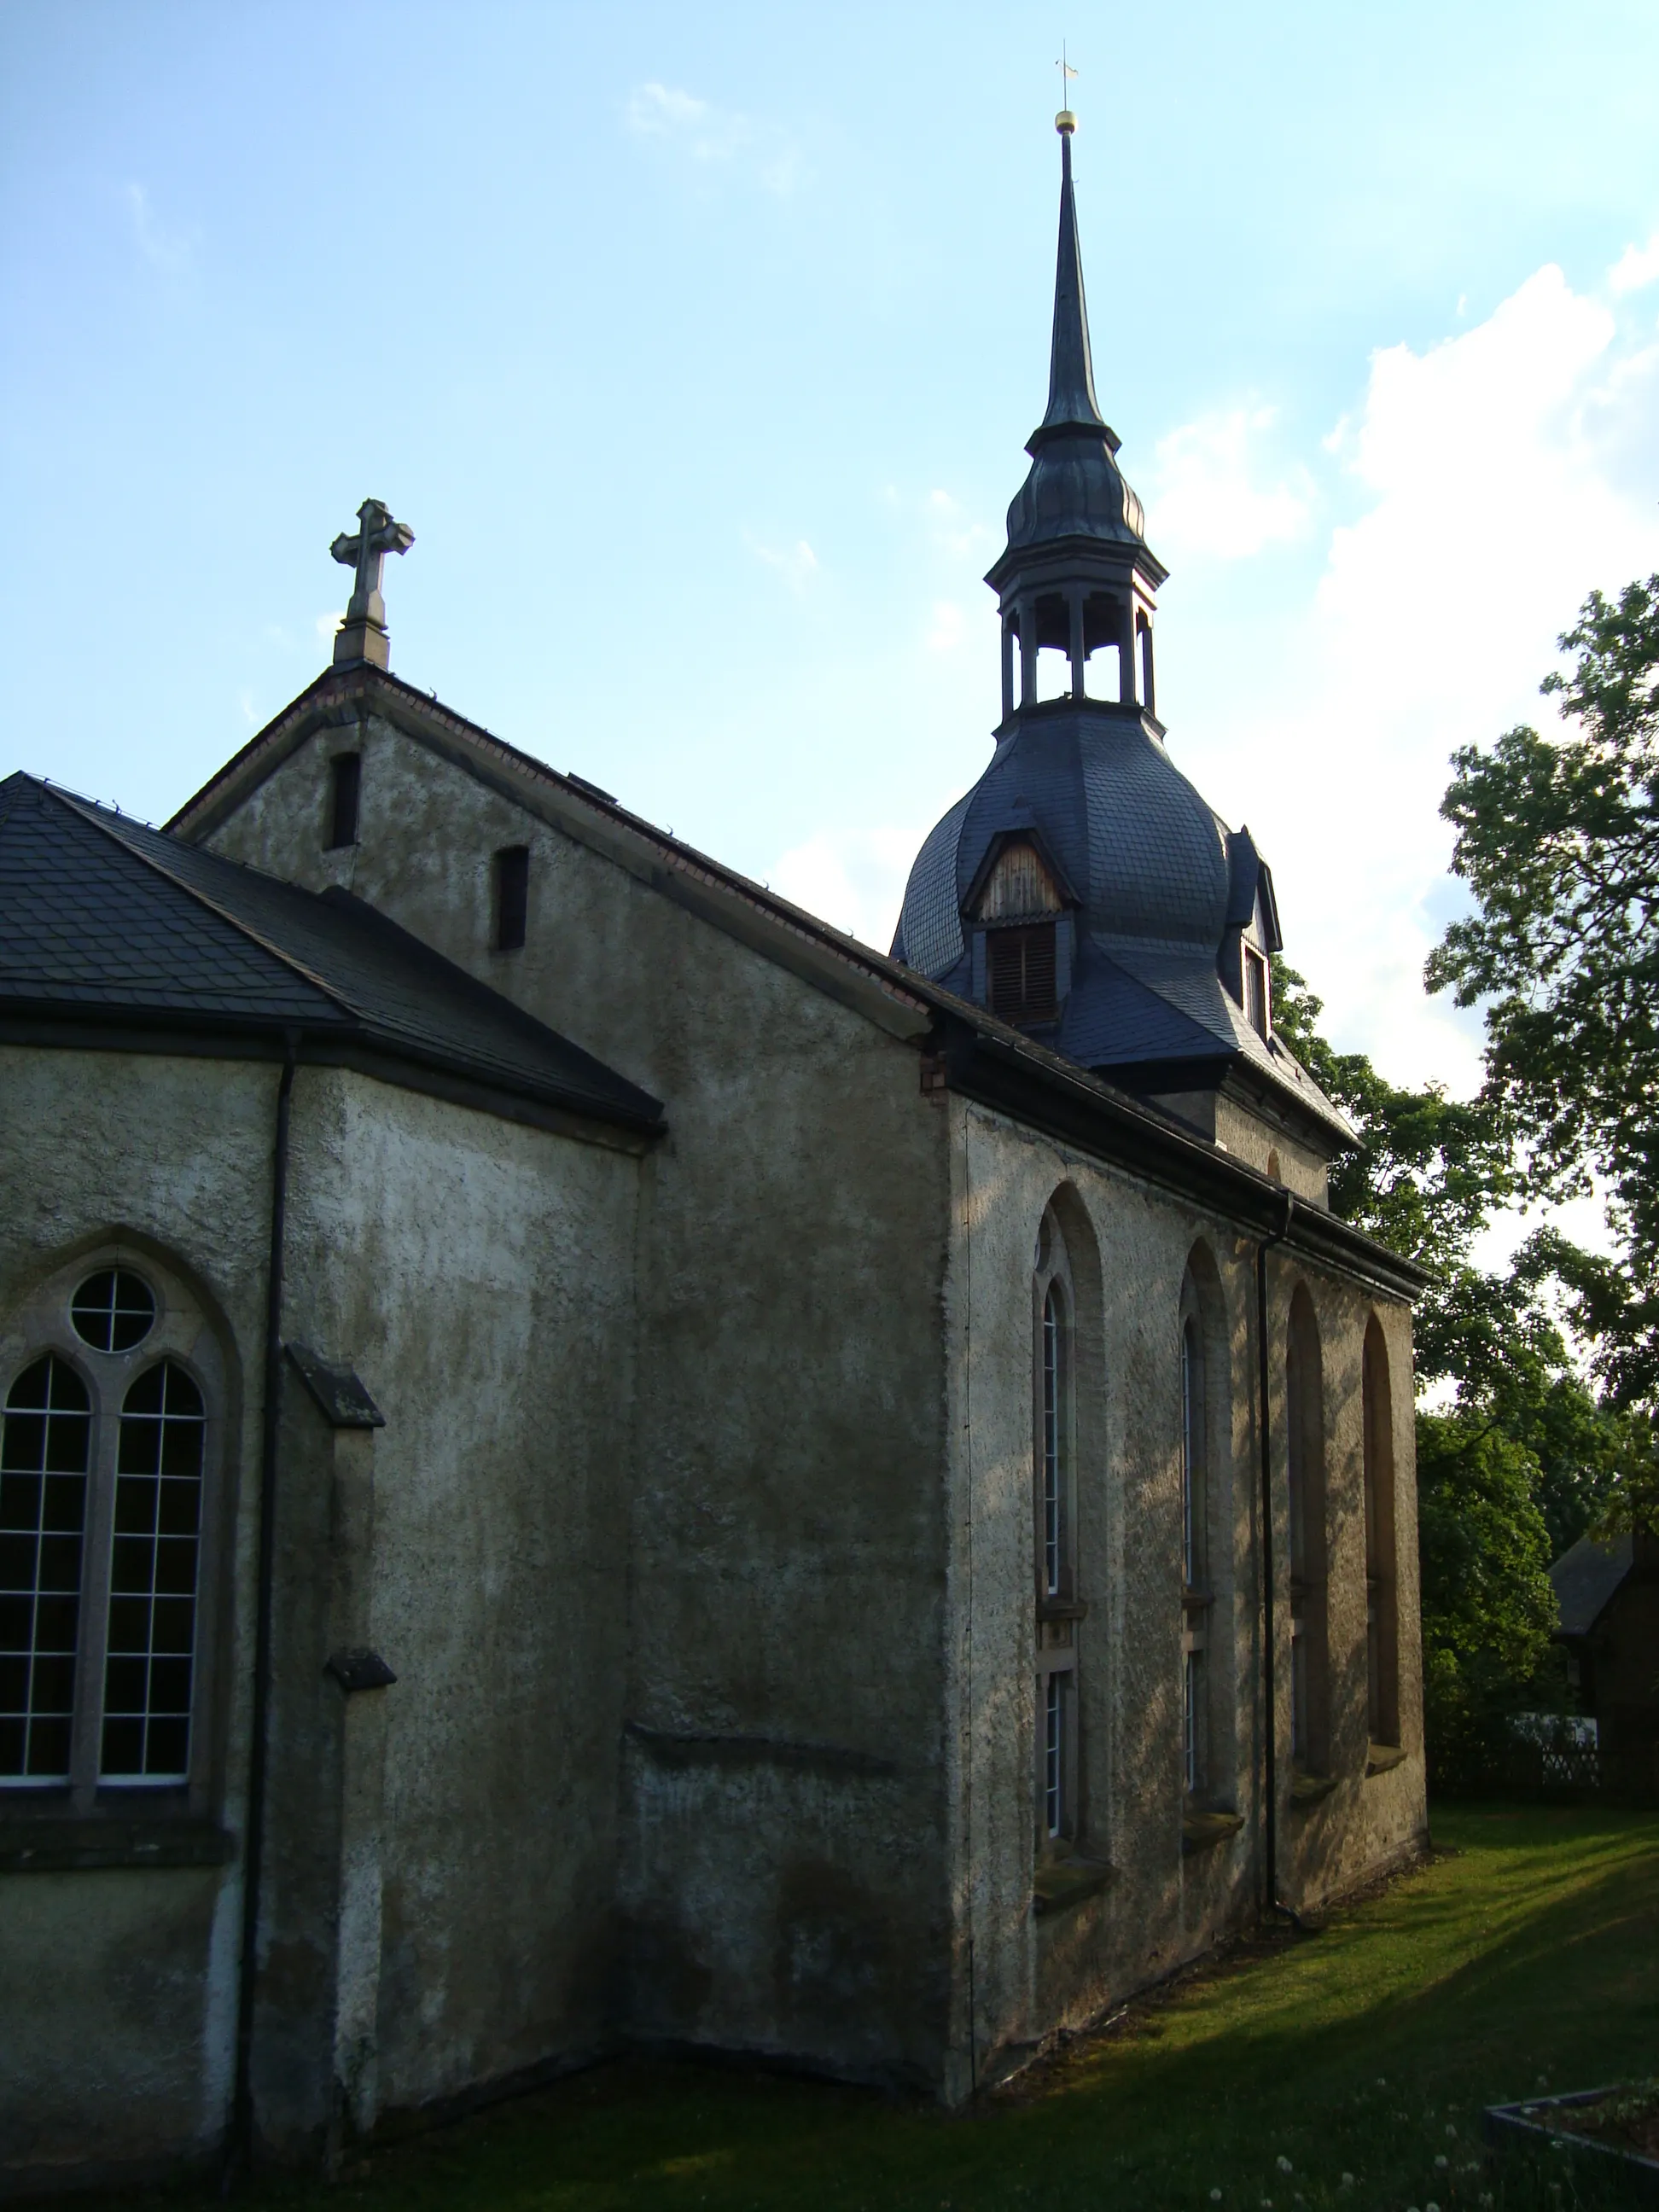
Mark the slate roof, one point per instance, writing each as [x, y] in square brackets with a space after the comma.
[1161, 878]
[104, 918]
[1585, 1579]
[1094, 1112]
[1075, 488]
[1162, 884]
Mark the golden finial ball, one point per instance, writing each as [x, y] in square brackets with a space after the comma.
[1065, 121]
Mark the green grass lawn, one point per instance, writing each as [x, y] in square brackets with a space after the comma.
[1524, 1952]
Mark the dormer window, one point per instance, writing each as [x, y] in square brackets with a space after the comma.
[1019, 971]
[1020, 910]
[1258, 1007]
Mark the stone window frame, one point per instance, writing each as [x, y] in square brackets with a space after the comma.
[1059, 1610]
[1206, 1690]
[88, 1822]
[1381, 1561]
[1307, 1506]
[1196, 1596]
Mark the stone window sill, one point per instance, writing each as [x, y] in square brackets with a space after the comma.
[1061, 1608]
[1060, 1883]
[1200, 1830]
[1384, 1758]
[72, 1845]
[1311, 1788]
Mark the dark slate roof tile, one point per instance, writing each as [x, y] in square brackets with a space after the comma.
[102, 912]
[1585, 1577]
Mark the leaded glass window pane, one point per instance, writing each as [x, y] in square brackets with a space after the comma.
[153, 1579]
[114, 1309]
[44, 1458]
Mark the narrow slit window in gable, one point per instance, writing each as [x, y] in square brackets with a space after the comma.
[347, 770]
[512, 896]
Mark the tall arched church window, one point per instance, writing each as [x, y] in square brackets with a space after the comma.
[1055, 1529]
[150, 1653]
[1194, 1596]
[106, 1499]
[1305, 1448]
[44, 1458]
[1382, 1617]
[1055, 1559]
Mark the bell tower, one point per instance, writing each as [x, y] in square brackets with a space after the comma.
[1076, 578]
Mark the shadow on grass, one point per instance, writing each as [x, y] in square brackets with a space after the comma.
[1367, 2050]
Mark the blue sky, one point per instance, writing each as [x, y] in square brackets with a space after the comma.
[699, 347]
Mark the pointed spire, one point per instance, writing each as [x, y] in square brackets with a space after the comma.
[1071, 402]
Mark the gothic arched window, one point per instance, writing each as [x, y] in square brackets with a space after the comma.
[1056, 1542]
[1305, 1417]
[45, 1459]
[109, 1438]
[1205, 1581]
[1381, 1618]
[1056, 1560]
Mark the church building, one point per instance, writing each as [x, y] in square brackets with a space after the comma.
[591, 1463]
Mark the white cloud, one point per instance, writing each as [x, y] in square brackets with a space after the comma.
[852, 878]
[1209, 496]
[1503, 473]
[947, 627]
[796, 564]
[170, 250]
[713, 138]
[1636, 267]
[953, 528]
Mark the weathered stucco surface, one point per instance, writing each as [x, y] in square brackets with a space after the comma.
[1161, 1904]
[476, 1274]
[787, 1535]
[130, 1972]
[699, 1535]
[440, 1855]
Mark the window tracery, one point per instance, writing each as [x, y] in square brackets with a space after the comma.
[108, 1433]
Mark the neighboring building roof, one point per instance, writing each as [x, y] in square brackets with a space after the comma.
[104, 919]
[984, 1057]
[1585, 1579]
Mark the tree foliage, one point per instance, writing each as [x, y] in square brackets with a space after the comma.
[1558, 838]
[1488, 1609]
[1522, 1457]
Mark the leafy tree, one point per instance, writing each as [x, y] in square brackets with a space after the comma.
[1558, 839]
[1488, 1609]
[1523, 1458]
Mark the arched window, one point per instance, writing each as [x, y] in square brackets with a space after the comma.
[44, 1457]
[1058, 1611]
[1200, 1369]
[1381, 1619]
[1065, 1419]
[1194, 1598]
[1304, 1416]
[1056, 1559]
[104, 1499]
[150, 1653]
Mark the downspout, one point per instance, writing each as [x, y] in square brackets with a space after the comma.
[240, 2146]
[1269, 1649]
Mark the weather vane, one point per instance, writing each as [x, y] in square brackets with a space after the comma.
[1065, 120]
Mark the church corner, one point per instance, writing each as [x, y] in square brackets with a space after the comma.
[590, 1463]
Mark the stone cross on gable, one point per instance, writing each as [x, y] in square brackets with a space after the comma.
[362, 634]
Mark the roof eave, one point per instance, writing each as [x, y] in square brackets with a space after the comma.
[1043, 1092]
